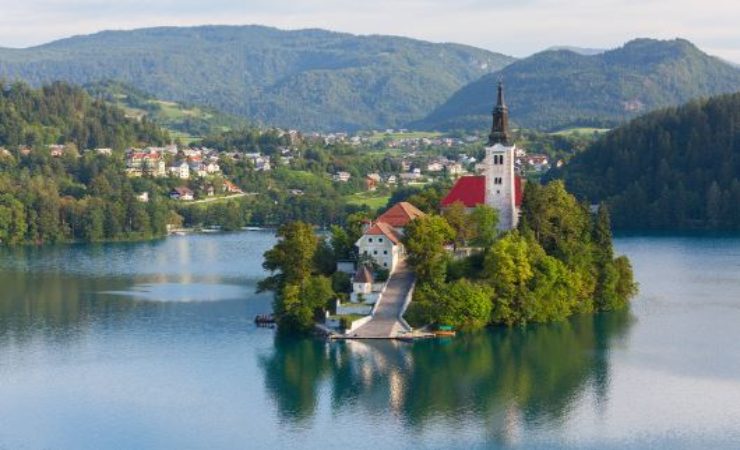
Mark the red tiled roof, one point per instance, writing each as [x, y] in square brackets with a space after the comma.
[471, 190]
[383, 229]
[145, 156]
[518, 191]
[400, 214]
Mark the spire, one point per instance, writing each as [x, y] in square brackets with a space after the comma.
[500, 128]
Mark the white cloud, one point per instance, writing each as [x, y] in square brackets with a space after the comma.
[514, 27]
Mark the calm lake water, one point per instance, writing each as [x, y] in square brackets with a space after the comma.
[152, 346]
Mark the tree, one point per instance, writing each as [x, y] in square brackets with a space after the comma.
[292, 256]
[483, 221]
[301, 291]
[461, 304]
[341, 244]
[12, 220]
[93, 228]
[459, 221]
[424, 241]
[507, 268]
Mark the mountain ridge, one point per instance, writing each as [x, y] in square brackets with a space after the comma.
[555, 89]
[309, 79]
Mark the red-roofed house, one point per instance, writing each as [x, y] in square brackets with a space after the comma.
[382, 238]
[400, 214]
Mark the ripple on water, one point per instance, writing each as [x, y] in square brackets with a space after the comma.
[179, 292]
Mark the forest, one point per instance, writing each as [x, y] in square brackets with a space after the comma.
[60, 113]
[673, 169]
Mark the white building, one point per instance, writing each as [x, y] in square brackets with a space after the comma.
[382, 243]
[381, 239]
[342, 177]
[362, 285]
[181, 171]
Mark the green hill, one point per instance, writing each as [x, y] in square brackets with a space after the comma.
[188, 122]
[308, 79]
[677, 168]
[68, 194]
[61, 114]
[559, 89]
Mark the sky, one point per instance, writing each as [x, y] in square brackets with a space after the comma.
[517, 27]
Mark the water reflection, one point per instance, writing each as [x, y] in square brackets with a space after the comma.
[504, 379]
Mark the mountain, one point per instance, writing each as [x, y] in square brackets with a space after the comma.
[677, 168]
[186, 121]
[308, 79]
[580, 50]
[558, 89]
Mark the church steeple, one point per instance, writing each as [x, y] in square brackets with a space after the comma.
[500, 128]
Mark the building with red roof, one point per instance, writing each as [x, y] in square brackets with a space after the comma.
[400, 214]
[471, 191]
[381, 239]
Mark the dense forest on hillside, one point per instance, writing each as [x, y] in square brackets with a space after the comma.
[558, 89]
[678, 168]
[60, 113]
[307, 79]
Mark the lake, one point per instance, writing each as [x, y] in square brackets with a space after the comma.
[152, 345]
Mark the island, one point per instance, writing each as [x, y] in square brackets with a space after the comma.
[494, 251]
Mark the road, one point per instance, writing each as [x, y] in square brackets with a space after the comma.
[385, 323]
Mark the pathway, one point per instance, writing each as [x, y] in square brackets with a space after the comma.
[385, 323]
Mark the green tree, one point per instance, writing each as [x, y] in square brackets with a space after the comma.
[457, 218]
[93, 228]
[483, 221]
[292, 257]
[462, 304]
[508, 269]
[12, 220]
[424, 241]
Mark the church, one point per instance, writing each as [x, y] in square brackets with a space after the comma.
[499, 186]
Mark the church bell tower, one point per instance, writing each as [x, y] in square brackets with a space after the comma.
[500, 128]
[499, 166]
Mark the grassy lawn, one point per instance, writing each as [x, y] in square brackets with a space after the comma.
[407, 135]
[372, 199]
[581, 130]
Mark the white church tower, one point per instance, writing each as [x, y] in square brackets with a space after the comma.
[501, 189]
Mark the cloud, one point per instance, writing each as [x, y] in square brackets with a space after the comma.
[514, 27]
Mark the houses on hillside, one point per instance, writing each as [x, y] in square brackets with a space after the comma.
[148, 163]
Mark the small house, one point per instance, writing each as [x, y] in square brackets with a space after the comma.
[181, 193]
[362, 284]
